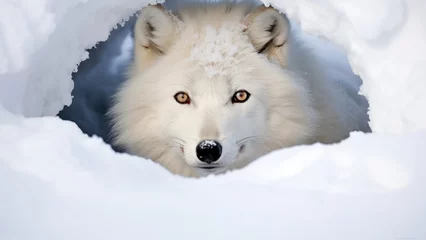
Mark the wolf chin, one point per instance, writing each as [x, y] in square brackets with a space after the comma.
[214, 86]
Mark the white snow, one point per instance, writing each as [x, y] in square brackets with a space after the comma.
[54, 35]
[57, 183]
[384, 40]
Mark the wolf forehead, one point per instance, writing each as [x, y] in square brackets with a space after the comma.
[216, 46]
[215, 37]
[219, 51]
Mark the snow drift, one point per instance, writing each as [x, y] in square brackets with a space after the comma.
[55, 182]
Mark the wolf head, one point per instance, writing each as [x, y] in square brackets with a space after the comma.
[207, 90]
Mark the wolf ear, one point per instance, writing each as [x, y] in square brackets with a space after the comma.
[268, 31]
[155, 29]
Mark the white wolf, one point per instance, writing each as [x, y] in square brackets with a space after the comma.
[212, 88]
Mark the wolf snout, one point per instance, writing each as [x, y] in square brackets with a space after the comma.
[209, 151]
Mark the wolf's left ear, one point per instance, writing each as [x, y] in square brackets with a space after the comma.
[268, 31]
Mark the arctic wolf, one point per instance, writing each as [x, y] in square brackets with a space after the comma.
[211, 89]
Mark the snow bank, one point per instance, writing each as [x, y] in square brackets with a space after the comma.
[56, 183]
[43, 42]
[384, 40]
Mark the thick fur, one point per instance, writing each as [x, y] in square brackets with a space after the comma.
[210, 51]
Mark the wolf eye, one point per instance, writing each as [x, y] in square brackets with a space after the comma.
[182, 98]
[240, 96]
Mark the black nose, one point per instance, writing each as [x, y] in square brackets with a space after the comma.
[209, 151]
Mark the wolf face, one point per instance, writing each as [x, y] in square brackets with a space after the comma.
[207, 90]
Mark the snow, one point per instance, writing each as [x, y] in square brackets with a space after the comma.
[45, 33]
[384, 41]
[106, 66]
[57, 183]
[207, 144]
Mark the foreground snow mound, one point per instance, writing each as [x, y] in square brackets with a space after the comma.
[58, 184]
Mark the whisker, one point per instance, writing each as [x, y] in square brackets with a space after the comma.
[164, 151]
[258, 139]
[180, 139]
[176, 145]
[246, 139]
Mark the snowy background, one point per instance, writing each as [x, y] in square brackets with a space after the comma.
[58, 183]
[97, 80]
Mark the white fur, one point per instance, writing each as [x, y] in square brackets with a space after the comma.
[210, 51]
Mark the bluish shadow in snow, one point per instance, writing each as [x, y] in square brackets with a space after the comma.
[96, 81]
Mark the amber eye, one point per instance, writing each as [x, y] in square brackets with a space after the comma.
[182, 98]
[240, 96]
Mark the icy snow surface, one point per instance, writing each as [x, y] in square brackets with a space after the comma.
[56, 183]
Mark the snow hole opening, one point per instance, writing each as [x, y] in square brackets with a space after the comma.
[98, 77]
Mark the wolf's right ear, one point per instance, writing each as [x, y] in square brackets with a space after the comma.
[155, 29]
[269, 31]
